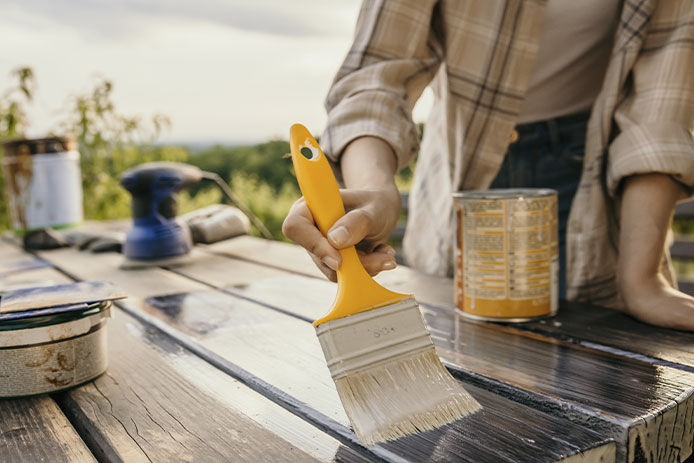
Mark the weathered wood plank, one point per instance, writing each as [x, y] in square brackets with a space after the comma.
[591, 326]
[169, 405]
[159, 402]
[283, 352]
[84, 265]
[35, 429]
[614, 394]
[491, 435]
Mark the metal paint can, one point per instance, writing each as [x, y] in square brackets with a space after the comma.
[43, 183]
[51, 353]
[506, 254]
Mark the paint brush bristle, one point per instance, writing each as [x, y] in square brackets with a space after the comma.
[388, 376]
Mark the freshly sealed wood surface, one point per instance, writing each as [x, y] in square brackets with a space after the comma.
[217, 360]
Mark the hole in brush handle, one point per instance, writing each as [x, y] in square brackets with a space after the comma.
[309, 151]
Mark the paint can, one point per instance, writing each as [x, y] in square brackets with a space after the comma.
[43, 183]
[52, 353]
[506, 254]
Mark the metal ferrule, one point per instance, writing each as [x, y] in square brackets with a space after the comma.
[359, 342]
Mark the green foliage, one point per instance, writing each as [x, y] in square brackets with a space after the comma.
[270, 205]
[266, 161]
[260, 175]
[111, 142]
[13, 122]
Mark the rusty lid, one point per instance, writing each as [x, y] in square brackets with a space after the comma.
[39, 145]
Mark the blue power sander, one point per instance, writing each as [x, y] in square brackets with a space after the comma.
[156, 238]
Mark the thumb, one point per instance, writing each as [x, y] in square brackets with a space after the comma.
[350, 229]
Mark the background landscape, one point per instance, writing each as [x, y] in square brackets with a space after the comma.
[216, 84]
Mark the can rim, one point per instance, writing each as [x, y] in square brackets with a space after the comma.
[485, 318]
[504, 193]
[53, 320]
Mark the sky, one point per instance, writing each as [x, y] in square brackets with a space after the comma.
[223, 71]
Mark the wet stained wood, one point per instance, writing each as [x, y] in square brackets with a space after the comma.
[282, 352]
[35, 429]
[613, 331]
[583, 324]
[626, 398]
[256, 339]
[159, 402]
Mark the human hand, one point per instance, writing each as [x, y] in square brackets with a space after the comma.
[652, 300]
[646, 209]
[370, 217]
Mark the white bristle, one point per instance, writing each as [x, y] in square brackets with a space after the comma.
[411, 394]
[388, 376]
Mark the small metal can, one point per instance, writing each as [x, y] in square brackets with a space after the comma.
[51, 353]
[506, 254]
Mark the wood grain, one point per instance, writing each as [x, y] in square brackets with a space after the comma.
[614, 394]
[583, 324]
[159, 402]
[171, 405]
[256, 339]
[283, 352]
[35, 429]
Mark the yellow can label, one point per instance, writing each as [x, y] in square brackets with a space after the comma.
[507, 258]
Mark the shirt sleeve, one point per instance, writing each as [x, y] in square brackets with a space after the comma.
[395, 54]
[656, 118]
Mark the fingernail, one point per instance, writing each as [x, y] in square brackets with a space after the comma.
[390, 252]
[330, 262]
[389, 265]
[339, 235]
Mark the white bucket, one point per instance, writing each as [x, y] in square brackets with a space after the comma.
[43, 184]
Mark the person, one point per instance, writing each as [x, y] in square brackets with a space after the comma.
[594, 99]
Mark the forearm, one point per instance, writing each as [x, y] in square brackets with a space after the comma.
[646, 209]
[368, 162]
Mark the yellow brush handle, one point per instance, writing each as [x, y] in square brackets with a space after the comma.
[356, 290]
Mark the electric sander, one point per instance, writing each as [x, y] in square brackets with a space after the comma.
[157, 238]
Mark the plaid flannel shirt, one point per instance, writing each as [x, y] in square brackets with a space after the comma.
[478, 56]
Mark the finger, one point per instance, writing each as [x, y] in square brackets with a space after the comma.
[385, 248]
[300, 228]
[350, 229]
[375, 262]
[327, 271]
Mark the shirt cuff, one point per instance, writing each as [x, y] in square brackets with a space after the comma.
[666, 148]
[372, 113]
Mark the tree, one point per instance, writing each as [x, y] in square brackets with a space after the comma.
[13, 121]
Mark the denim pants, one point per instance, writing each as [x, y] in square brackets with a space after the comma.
[548, 154]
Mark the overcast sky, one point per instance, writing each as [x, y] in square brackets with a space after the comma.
[223, 70]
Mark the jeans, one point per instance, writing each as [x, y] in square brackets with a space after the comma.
[548, 154]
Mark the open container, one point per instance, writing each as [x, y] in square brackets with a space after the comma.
[53, 352]
[43, 183]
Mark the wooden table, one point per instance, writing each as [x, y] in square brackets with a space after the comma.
[217, 361]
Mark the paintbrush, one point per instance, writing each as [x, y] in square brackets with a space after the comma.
[390, 381]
